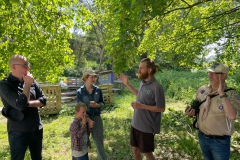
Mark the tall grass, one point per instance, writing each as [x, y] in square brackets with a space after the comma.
[183, 85]
[176, 141]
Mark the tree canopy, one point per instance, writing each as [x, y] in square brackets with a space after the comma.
[39, 30]
[170, 31]
[173, 30]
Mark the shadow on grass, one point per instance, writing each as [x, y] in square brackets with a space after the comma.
[116, 132]
[177, 140]
[67, 110]
[49, 118]
[4, 151]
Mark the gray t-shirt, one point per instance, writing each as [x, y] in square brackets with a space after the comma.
[149, 93]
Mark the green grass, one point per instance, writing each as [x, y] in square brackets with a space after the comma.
[176, 141]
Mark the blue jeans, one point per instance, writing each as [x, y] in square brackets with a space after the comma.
[85, 157]
[214, 148]
[19, 142]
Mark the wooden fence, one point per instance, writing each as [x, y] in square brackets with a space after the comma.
[107, 89]
[55, 97]
[53, 94]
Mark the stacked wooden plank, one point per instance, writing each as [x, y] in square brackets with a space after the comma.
[107, 93]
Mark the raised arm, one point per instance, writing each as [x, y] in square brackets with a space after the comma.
[124, 79]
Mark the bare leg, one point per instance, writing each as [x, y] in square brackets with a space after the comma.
[136, 153]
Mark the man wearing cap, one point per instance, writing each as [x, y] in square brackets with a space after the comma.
[219, 108]
[21, 97]
[92, 96]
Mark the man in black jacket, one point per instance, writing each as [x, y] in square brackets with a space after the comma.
[21, 97]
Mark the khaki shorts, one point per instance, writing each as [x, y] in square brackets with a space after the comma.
[141, 140]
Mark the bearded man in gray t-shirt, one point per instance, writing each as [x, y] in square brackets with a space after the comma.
[148, 106]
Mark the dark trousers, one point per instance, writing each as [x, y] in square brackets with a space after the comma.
[19, 142]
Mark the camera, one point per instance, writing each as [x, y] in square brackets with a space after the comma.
[195, 104]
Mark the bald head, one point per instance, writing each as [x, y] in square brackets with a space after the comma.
[15, 59]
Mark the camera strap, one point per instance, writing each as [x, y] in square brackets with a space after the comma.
[211, 96]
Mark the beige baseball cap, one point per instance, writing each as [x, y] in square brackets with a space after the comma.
[89, 72]
[218, 68]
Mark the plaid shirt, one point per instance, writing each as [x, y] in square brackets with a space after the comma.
[77, 131]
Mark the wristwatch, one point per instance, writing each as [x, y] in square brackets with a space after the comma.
[225, 95]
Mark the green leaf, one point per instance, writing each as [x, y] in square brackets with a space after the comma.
[133, 2]
[36, 2]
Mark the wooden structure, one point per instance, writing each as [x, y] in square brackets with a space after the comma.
[107, 93]
[106, 89]
[105, 81]
[73, 83]
[118, 86]
[53, 94]
[68, 96]
[108, 77]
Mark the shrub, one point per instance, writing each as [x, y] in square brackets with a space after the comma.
[182, 85]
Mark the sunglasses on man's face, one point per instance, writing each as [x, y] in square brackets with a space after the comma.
[26, 65]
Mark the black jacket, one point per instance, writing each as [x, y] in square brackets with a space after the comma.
[21, 118]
